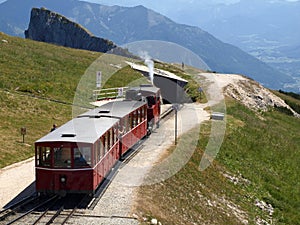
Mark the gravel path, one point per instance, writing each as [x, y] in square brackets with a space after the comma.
[16, 182]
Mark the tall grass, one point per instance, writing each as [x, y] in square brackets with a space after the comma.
[36, 115]
[262, 151]
[267, 153]
[42, 69]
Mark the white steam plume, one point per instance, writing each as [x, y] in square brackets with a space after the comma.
[149, 62]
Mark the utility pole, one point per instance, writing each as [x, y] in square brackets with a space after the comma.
[175, 107]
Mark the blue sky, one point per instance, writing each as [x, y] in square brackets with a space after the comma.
[166, 7]
[157, 5]
[170, 8]
[138, 2]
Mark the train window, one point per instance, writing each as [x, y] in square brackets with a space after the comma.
[102, 147]
[44, 156]
[86, 152]
[95, 150]
[98, 151]
[134, 119]
[106, 143]
[82, 157]
[115, 134]
[130, 122]
[126, 124]
[143, 113]
[121, 127]
[111, 136]
[139, 116]
[62, 157]
[108, 140]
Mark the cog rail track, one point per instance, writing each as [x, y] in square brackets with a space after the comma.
[44, 210]
[21, 209]
[66, 209]
[11, 209]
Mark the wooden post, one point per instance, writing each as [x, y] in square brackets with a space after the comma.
[23, 133]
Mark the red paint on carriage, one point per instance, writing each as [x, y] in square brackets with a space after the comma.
[69, 180]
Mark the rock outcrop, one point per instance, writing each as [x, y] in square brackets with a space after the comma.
[50, 27]
[245, 90]
[253, 95]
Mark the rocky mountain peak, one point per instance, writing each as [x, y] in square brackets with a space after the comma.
[51, 27]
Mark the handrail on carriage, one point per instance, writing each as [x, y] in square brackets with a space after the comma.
[109, 93]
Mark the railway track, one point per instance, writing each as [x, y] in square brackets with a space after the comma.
[21, 209]
[61, 211]
[13, 208]
[43, 210]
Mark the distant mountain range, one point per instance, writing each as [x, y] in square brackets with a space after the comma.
[257, 23]
[123, 25]
[266, 29]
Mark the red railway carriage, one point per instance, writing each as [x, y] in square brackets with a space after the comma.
[78, 155]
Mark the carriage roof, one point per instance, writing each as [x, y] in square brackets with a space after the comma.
[80, 130]
[114, 109]
[89, 126]
[147, 90]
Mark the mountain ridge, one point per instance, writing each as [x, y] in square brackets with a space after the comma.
[128, 24]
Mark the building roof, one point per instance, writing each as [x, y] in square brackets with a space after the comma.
[157, 72]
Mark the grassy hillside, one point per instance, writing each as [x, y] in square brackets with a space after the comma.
[258, 162]
[42, 69]
[36, 115]
[32, 69]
